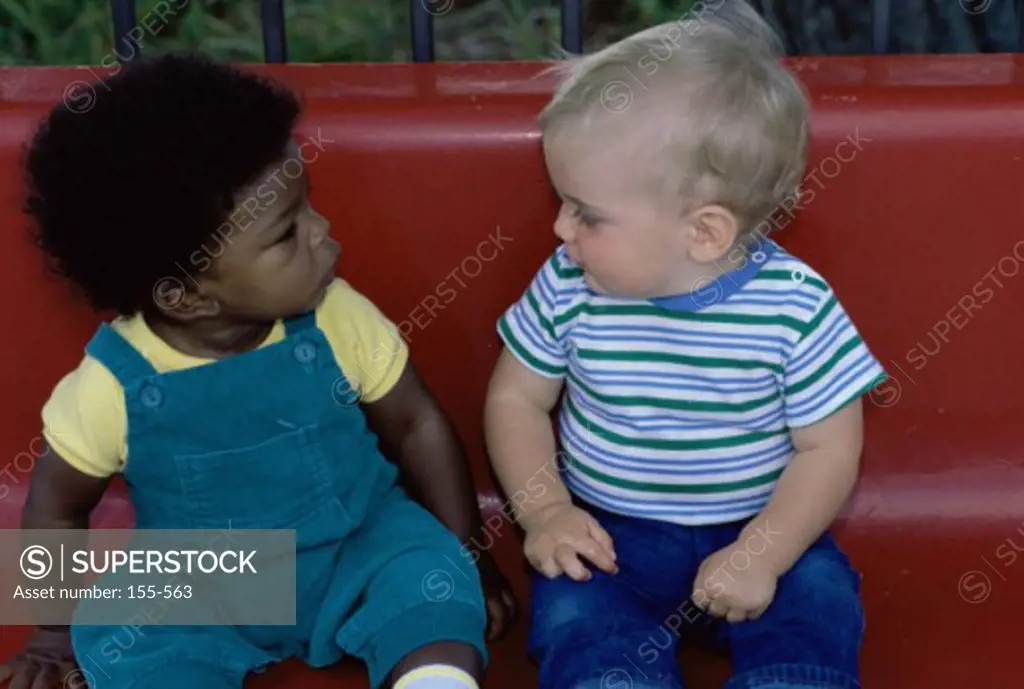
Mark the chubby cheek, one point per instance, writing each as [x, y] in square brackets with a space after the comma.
[281, 282]
[629, 269]
[298, 279]
[608, 253]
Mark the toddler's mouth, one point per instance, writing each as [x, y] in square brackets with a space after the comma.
[332, 263]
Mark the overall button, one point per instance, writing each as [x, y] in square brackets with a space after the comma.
[151, 396]
[305, 352]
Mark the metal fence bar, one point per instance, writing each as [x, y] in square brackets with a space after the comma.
[572, 26]
[275, 41]
[422, 21]
[1020, 25]
[881, 14]
[124, 21]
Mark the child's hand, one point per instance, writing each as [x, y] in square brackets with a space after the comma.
[734, 584]
[46, 663]
[558, 534]
[502, 609]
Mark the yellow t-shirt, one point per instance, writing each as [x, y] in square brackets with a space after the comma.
[85, 420]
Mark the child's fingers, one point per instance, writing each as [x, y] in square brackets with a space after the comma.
[23, 676]
[758, 612]
[511, 606]
[595, 552]
[565, 556]
[46, 678]
[735, 615]
[498, 618]
[550, 568]
[545, 564]
[602, 537]
[718, 608]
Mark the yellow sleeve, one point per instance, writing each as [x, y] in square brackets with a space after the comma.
[84, 420]
[367, 345]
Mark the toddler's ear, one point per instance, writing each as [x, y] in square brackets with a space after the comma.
[179, 303]
[714, 230]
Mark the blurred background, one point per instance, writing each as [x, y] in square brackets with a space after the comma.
[69, 32]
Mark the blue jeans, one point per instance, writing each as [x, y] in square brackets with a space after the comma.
[622, 631]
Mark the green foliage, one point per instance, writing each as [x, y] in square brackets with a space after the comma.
[651, 12]
[77, 32]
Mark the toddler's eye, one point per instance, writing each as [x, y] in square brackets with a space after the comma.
[588, 220]
[290, 232]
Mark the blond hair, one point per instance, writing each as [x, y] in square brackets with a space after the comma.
[722, 120]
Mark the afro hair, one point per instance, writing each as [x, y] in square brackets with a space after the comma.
[121, 191]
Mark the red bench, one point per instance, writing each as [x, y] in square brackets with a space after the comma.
[433, 178]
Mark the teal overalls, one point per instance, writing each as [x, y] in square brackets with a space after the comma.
[260, 440]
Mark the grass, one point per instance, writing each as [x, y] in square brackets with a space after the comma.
[70, 32]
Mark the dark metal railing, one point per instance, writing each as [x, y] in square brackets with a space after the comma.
[1020, 26]
[124, 22]
[423, 12]
[572, 26]
[881, 12]
[422, 23]
[275, 41]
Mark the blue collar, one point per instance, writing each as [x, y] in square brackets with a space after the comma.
[722, 287]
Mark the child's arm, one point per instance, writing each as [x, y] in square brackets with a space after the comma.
[416, 433]
[521, 443]
[808, 497]
[59, 497]
[826, 373]
[520, 439]
[812, 489]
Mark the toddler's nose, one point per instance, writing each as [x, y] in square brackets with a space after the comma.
[564, 229]
[321, 228]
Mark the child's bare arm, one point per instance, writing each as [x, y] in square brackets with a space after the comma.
[415, 432]
[520, 440]
[810, 493]
[521, 443]
[813, 488]
[59, 497]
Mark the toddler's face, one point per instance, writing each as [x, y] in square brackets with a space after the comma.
[628, 242]
[278, 257]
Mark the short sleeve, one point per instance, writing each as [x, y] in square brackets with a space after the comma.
[84, 420]
[829, 367]
[368, 345]
[528, 327]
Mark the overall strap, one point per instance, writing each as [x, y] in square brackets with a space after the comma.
[118, 356]
[297, 324]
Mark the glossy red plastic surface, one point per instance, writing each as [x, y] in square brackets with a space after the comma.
[916, 226]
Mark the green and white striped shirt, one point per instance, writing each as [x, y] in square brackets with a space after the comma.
[679, 408]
